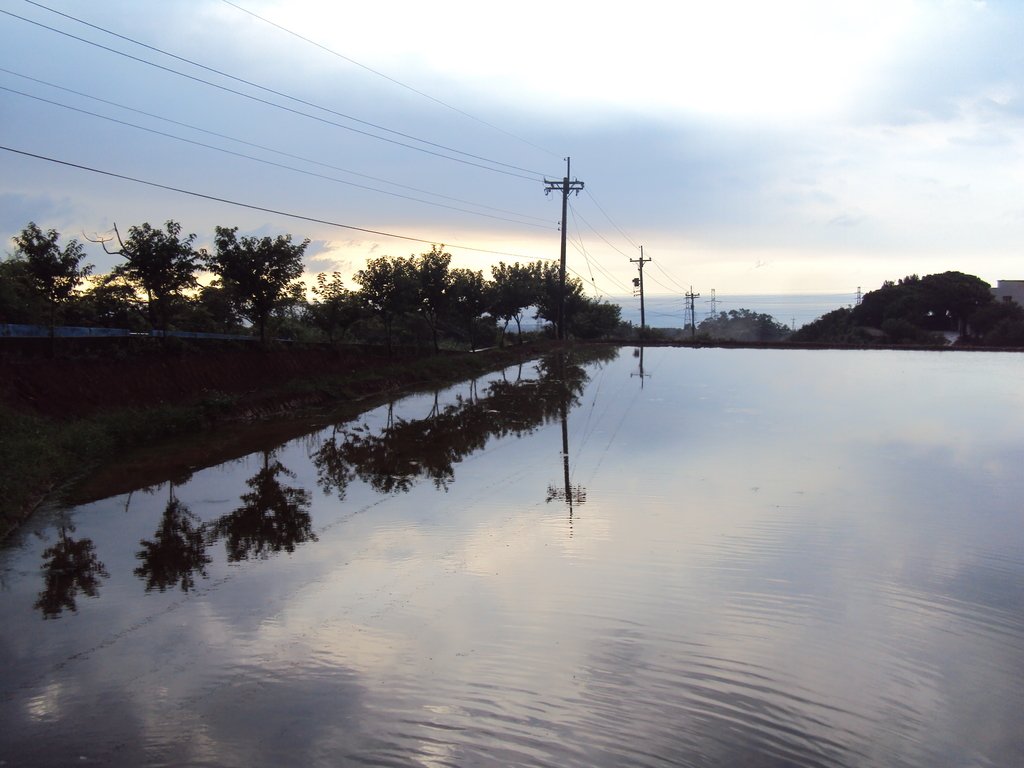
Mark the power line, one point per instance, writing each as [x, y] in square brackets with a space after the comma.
[282, 106]
[582, 249]
[594, 230]
[579, 247]
[610, 221]
[270, 90]
[264, 147]
[388, 78]
[652, 278]
[595, 286]
[670, 278]
[265, 161]
[253, 207]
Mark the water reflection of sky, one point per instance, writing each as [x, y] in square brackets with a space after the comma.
[783, 558]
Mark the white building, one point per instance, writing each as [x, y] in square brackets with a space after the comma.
[1009, 290]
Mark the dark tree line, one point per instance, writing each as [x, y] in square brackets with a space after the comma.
[255, 284]
[921, 310]
[743, 325]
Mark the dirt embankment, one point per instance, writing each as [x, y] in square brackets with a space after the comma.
[65, 388]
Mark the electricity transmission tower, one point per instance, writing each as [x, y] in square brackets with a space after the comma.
[565, 186]
[639, 283]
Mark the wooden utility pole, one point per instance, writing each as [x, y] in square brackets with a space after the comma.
[640, 284]
[566, 187]
[693, 320]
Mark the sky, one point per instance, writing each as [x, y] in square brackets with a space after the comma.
[750, 148]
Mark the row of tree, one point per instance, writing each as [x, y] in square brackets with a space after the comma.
[256, 282]
[922, 310]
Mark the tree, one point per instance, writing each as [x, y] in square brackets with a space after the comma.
[433, 281]
[743, 325]
[550, 294]
[112, 302]
[335, 306]
[160, 263]
[951, 297]
[19, 302]
[387, 289]
[999, 323]
[256, 272]
[468, 300]
[291, 314]
[834, 327]
[596, 318]
[214, 310]
[53, 273]
[940, 302]
[515, 288]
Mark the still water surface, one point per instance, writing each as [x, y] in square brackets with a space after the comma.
[692, 558]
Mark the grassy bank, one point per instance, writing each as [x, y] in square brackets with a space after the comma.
[42, 450]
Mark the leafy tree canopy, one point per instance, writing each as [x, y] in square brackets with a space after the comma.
[256, 271]
[160, 262]
[53, 272]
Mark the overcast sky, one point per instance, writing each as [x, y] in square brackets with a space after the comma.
[750, 147]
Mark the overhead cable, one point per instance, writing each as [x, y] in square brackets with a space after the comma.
[594, 230]
[610, 221]
[251, 97]
[267, 162]
[251, 206]
[260, 146]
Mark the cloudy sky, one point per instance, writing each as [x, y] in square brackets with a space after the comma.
[749, 147]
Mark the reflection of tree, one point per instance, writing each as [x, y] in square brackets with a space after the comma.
[332, 467]
[177, 551]
[70, 566]
[406, 451]
[273, 516]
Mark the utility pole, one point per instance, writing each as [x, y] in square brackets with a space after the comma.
[565, 186]
[690, 305]
[639, 282]
[713, 301]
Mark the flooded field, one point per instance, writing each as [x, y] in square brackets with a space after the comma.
[672, 557]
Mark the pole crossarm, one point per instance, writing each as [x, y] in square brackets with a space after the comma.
[563, 185]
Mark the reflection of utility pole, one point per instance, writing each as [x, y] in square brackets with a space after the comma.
[566, 187]
[570, 495]
[639, 352]
[639, 283]
[690, 306]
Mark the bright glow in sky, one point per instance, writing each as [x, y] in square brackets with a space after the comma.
[750, 147]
